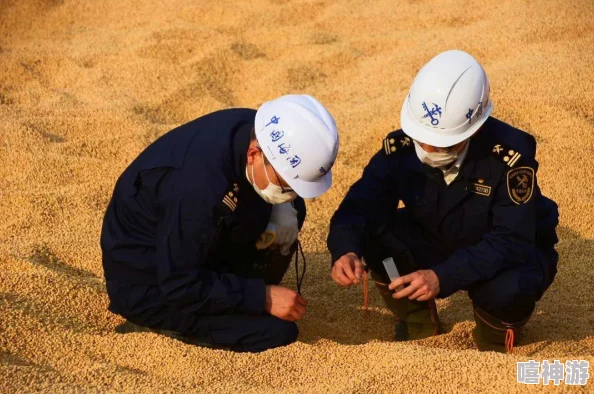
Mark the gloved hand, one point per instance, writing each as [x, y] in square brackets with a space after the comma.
[284, 218]
[267, 238]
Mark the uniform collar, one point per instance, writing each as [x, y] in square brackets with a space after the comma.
[241, 143]
[459, 160]
[477, 161]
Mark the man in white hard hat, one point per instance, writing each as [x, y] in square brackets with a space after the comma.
[474, 218]
[202, 225]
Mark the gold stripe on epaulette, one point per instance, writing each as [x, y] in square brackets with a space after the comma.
[512, 157]
[513, 160]
[230, 203]
[389, 146]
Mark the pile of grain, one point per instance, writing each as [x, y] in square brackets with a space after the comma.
[84, 86]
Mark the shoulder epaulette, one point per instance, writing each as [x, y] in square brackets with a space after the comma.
[396, 142]
[230, 199]
[506, 154]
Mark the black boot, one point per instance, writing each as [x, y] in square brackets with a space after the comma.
[492, 334]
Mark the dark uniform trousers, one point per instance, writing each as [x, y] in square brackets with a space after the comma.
[509, 296]
[241, 333]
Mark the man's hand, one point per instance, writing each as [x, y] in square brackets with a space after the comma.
[423, 285]
[284, 303]
[347, 270]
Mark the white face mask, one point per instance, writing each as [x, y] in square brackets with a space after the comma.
[272, 194]
[435, 159]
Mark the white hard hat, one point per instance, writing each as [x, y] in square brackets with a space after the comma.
[299, 138]
[448, 100]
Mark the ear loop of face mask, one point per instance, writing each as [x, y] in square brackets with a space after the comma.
[265, 174]
[283, 190]
[289, 190]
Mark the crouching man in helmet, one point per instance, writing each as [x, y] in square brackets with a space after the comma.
[202, 225]
[474, 218]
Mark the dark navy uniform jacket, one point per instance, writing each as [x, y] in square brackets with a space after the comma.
[181, 215]
[491, 217]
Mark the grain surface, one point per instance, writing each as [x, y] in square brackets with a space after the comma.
[86, 85]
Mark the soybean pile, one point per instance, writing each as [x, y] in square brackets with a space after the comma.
[85, 86]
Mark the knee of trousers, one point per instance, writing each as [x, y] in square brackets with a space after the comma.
[277, 333]
[255, 335]
[508, 306]
[511, 295]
